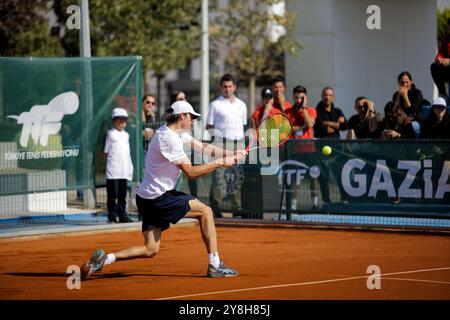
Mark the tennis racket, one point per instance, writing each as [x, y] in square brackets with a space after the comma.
[272, 132]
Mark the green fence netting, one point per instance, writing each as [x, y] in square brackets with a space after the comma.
[409, 178]
[54, 113]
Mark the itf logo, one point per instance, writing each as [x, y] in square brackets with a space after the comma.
[295, 172]
[43, 120]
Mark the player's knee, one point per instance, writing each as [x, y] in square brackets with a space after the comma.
[207, 213]
[207, 216]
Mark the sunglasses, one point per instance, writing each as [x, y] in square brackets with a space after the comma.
[150, 102]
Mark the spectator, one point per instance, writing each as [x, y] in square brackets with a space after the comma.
[330, 120]
[437, 125]
[181, 96]
[440, 69]
[272, 101]
[119, 167]
[265, 107]
[396, 124]
[177, 96]
[366, 123]
[227, 116]
[149, 119]
[279, 88]
[409, 97]
[303, 118]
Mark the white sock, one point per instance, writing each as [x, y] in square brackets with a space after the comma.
[214, 259]
[294, 204]
[315, 201]
[111, 258]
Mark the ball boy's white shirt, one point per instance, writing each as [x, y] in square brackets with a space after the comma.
[118, 161]
[228, 117]
[161, 172]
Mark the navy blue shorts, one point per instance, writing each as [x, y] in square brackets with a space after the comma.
[164, 210]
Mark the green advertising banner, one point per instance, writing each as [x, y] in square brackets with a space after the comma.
[54, 114]
[365, 176]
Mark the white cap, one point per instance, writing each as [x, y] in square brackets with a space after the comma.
[119, 112]
[439, 101]
[181, 106]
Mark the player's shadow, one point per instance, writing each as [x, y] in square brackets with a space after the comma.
[99, 276]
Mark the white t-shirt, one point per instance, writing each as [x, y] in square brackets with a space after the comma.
[228, 118]
[161, 172]
[118, 161]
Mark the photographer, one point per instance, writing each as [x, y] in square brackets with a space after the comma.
[264, 108]
[396, 124]
[366, 123]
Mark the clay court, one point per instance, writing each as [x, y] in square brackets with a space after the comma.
[275, 263]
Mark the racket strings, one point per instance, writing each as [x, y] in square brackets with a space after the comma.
[274, 131]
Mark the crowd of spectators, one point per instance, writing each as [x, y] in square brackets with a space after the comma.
[408, 115]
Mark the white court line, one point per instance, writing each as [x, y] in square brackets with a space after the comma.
[298, 284]
[417, 280]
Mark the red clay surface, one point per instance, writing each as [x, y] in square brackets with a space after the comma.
[274, 264]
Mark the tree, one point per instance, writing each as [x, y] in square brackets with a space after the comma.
[165, 33]
[25, 31]
[255, 36]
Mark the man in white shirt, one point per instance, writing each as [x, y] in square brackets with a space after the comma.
[226, 119]
[160, 204]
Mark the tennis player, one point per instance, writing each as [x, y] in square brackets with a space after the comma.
[157, 201]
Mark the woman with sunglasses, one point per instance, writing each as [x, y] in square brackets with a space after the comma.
[149, 118]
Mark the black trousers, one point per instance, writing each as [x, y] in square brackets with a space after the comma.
[116, 190]
[441, 75]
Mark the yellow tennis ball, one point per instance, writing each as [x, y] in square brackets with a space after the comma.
[326, 150]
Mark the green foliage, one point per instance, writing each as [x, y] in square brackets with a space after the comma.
[243, 27]
[442, 18]
[165, 33]
[24, 30]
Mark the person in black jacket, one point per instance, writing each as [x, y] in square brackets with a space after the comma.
[330, 120]
[366, 123]
[437, 125]
[408, 97]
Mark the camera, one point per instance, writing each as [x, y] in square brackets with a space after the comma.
[268, 96]
[364, 107]
[266, 93]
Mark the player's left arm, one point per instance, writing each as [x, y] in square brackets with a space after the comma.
[209, 149]
[196, 171]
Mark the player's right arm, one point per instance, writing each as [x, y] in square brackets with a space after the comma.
[193, 172]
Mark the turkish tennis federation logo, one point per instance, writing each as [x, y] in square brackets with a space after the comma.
[44, 120]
